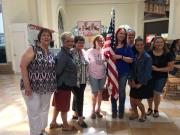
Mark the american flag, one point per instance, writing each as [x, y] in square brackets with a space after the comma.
[112, 74]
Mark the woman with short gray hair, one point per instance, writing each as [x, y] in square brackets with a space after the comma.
[66, 74]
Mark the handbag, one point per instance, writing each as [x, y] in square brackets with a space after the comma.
[105, 94]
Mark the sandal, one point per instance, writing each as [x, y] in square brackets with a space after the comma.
[142, 119]
[99, 115]
[44, 133]
[83, 124]
[51, 126]
[93, 116]
[156, 113]
[149, 112]
[71, 128]
[76, 117]
[133, 117]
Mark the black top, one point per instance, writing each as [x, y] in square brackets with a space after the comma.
[160, 62]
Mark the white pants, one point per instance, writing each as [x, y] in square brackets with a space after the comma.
[37, 109]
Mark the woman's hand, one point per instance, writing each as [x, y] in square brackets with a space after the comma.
[133, 84]
[115, 57]
[138, 86]
[28, 92]
[154, 68]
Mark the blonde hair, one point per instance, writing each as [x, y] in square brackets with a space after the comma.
[64, 35]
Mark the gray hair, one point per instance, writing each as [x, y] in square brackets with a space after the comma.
[64, 35]
[131, 30]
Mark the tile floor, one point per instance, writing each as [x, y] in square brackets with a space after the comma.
[14, 121]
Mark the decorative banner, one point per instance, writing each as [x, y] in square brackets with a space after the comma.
[33, 31]
[89, 29]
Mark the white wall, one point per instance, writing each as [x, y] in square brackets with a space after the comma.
[45, 13]
[40, 12]
[58, 5]
[17, 11]
[101, 11]
[139, 18]
[174, 20]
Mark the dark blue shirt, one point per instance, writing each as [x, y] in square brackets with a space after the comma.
[122, 66]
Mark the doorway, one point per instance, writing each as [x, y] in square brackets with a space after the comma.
[2, 38]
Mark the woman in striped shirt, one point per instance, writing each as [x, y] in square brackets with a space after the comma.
[78, 91]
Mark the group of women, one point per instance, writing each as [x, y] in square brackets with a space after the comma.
[44, 74]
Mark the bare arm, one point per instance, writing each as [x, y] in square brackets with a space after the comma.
[25, 61]
[168, 68]
[126, 59]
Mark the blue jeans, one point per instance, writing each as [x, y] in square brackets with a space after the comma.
[122, 94]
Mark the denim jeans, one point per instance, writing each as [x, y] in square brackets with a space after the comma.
[122, 94]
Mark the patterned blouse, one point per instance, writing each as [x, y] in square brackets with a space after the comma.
[41, 72]
[81, 64]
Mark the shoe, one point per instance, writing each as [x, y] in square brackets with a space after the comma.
[156, 113]
[142, 119]
[114, 115]
[76, 117]
[93, 116]
[149, 112]
[51, 126]
[83, 124]
[99, 115]
[71, 128]
[133, 117]
[121, 115]
[44, 133]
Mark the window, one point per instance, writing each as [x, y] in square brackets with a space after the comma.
[60, 23]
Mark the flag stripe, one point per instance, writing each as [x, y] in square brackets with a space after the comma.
[112, 80]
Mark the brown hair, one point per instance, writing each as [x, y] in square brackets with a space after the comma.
[43, 30]
[125, 39]
[139, 39]
[78, 38]
[95, 39]
[165, 48]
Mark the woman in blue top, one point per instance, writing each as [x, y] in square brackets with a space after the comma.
[141, 83]
[123, 56]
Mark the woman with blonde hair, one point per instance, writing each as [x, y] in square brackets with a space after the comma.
[162, 63]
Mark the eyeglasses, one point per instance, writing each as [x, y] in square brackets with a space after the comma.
[130, 35]
[80, 42]
[100, 41]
